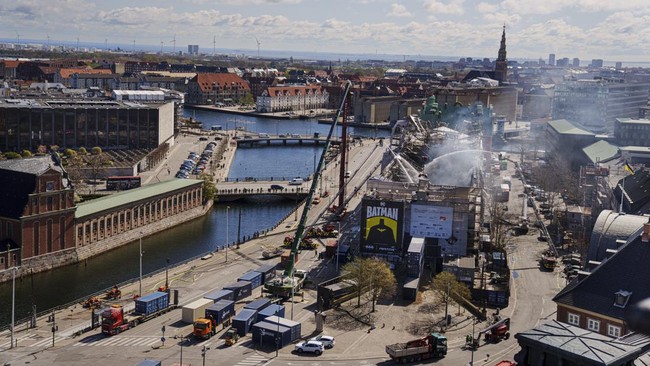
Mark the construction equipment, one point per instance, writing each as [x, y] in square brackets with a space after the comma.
[268, 253]
[231, 336]
[432, 346]
[494, 333]
[291, 282]
[549, 262]
[113, 294]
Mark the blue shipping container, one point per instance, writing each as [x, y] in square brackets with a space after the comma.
[244, 321]
[255, 278]
[220, 295]
[266, 333]
[271, 310]
[151, 303]
[241, 289]
[221, 310]
[294, 326]
[267, 271]
[149, 362]
[258, 304]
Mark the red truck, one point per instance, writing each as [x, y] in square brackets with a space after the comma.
[115, 320]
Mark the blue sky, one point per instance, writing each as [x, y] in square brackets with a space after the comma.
[608, 29]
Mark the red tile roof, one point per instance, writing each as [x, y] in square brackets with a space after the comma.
[207, 81]
[67, 73]
[11, 63]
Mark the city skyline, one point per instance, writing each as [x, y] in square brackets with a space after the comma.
[586, 29]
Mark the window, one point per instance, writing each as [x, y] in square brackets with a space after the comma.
[593, 324]
[573, 319]
[49, 186]
[621, 298]
[613, 331]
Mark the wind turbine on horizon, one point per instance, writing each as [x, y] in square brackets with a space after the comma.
[174, 42]
[258, 47]
[17, 37]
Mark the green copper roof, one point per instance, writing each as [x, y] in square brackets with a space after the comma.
[601, 151]
[134, 195]
[562, 126]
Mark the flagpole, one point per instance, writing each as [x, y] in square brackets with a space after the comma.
[620, 210]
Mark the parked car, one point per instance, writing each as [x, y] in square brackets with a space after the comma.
[296, 182]
[277, 187]
[310, 346]
[327, 341]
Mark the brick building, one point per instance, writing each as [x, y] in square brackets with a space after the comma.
[37, 211]
[216, 88]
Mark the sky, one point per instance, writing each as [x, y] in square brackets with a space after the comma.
[608, 29]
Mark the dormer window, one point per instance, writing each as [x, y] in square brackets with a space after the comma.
[621, 298]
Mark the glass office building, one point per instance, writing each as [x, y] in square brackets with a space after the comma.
[27, 123]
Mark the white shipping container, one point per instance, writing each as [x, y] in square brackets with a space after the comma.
[195, 310]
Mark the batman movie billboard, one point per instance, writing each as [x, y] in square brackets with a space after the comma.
[381, 226]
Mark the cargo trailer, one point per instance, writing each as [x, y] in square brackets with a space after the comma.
[195, 310]
[241, 290]
[268, 333]
[267, 271]
[220, 295]
[244, 321]
[149, 304]
[295, 327]
[271, 310]
[255, 278]
[258, 304]
[221, 311]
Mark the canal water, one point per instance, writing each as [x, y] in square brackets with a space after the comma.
[63, 285]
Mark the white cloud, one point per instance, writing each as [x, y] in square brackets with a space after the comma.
[399, 10]
[487, 8]
[451, 7]
[258, 2]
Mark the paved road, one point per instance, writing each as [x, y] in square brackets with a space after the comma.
[529, 305]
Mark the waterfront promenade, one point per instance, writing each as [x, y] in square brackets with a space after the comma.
[248, 256]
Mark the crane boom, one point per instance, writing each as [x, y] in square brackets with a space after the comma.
[314, 185]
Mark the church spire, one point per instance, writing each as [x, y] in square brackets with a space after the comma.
[501, 67]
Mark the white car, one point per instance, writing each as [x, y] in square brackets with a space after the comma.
[310, 346]
[296, 182]
[327, 341]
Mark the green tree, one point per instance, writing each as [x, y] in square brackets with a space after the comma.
[70, 153]
[26, 154]
[372, 275]
[247, 99]
[82, 151]
[209, 188]
[96, 150]
[12, 155]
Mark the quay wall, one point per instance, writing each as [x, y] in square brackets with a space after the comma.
[74, 255]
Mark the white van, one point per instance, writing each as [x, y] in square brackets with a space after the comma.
[263, 135]
[296, 182]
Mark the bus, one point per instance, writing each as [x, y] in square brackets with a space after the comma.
[122, 183]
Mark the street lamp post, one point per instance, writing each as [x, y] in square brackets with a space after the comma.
[471, 362]
[140, 293]
[227, 229]
[167, 276]
[13, 302]
[204, 350]
[338, 245]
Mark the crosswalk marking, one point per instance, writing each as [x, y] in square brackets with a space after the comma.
[18, 339]
[253, 360]
[46, 342]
